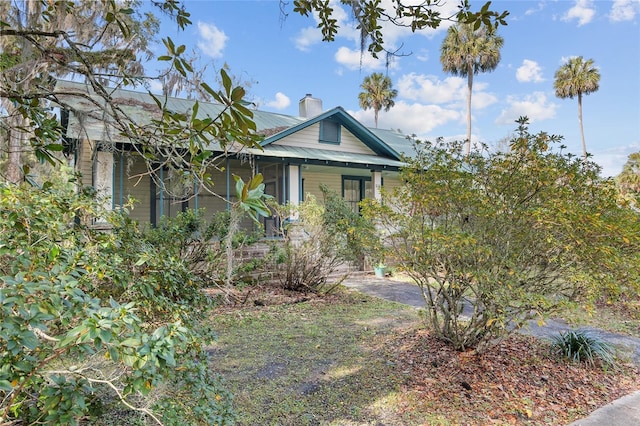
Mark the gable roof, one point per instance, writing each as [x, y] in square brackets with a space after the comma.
[339, 115]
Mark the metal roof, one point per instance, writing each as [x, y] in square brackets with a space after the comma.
[90, 121]
[340, 115]
[322, 156]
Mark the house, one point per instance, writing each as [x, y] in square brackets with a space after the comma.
[298, 154]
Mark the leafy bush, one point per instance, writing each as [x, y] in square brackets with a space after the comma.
[582, 346]
[321, 241]
[496, 239]
[355, 236]
[91, 321]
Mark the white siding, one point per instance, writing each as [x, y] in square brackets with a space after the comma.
[389, 183]
[313, 180]
[309, 138]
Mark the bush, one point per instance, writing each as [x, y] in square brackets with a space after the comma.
[582, 346]
[496, 239]
[322, 241]
[96, 322]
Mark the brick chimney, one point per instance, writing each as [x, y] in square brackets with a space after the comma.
[310, 106]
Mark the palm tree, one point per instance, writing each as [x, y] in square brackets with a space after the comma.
[575, 78]
[378, 94]
[466, 51]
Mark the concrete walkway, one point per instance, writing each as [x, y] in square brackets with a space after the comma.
[622, 412]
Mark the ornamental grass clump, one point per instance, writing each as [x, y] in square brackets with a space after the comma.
[583, 346]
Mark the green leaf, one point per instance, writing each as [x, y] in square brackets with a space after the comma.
[256, 181]
[226, 80]
[237, 94]
[5, 386]
[171, 47]
[54, 147]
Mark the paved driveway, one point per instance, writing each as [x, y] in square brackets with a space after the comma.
[410, 294]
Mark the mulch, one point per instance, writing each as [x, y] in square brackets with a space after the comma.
[517, 382]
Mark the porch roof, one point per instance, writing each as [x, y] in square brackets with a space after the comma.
[298, 155]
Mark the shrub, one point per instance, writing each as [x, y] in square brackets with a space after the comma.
[317, 245]
[582, 346]
[94, 322]
[505, 237]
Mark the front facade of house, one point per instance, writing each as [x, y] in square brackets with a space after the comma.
[299, 154]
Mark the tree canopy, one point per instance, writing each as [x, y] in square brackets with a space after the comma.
[104, 44]
[378, 93]
[468, 50]
[629, 181]
[577, 77]
[370, 15]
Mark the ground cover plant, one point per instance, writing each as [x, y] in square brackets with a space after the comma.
[349, 359]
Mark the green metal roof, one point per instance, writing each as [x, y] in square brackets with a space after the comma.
[89, 121]
[338, 114]
[321, 156]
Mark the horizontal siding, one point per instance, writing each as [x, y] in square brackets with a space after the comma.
[389, 183]
[313, 180]
[309, 138]
[350, 143]
[85, 163]
[139, 190]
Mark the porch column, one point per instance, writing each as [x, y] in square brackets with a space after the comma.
[103, 179]
[294, 184]
[376, 180]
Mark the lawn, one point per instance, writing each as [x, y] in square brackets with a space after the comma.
[349, 359]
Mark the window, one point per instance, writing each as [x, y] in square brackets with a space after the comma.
[355, 189]
[330, 132]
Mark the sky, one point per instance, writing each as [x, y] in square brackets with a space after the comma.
[283, 58]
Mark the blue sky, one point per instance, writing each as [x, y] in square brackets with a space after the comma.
[285, 59]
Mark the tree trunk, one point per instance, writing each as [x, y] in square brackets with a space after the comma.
[234, 224]
[467, 145]
[584, 144]
[14, 150]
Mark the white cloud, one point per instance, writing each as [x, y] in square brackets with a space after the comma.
[613, 159]
[354, 60]
[451, 91]
[280, 102]
[533, 10]
[534, 106]
[481, 99]
[306, 38]
[155, 86]
[529, 71]
[624, 10]
[429, 89]
[583, 11]
[213, 40]
[411, 118]
[311, 35]
[422, 55]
